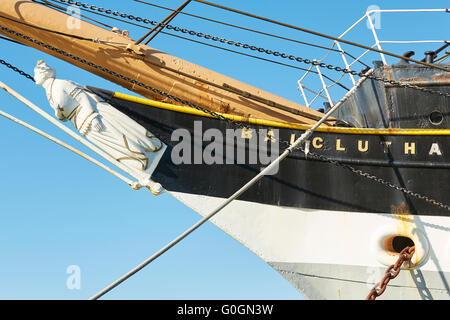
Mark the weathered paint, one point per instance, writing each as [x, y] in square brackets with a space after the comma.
[378, 105]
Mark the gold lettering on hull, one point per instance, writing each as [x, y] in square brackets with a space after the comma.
[292, 138]
[338, 145]
[317, 142]
[435, 149]
[410, 148]
[362, 148]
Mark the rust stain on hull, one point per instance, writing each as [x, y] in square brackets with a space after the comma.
[405, 226]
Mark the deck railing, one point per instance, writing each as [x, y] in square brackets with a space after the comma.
[369, 17]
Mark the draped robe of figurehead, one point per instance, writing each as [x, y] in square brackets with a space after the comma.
[102, 124]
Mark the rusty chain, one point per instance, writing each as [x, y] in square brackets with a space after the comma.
[391, 273]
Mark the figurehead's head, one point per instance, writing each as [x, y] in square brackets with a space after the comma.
[42, 72]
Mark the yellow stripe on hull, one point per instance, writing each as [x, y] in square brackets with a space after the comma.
[289, 125]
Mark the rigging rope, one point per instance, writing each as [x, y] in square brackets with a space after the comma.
[74, 135]
[131, 183]
[160, 26]
[225, 203]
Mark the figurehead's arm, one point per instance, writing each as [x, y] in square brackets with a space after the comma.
[88, 115]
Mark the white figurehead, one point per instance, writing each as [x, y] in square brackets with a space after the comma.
[102, 124]
[68, 100]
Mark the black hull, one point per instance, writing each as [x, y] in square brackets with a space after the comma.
[418, 162]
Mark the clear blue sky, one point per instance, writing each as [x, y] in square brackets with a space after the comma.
[58, 210]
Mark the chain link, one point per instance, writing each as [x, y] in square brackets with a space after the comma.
[391, 273]
[378, 180]
[26, 75]
[255, 48]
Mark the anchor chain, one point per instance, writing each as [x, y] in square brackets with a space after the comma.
[391, 273]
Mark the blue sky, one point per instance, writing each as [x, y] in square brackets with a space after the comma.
[58, 210]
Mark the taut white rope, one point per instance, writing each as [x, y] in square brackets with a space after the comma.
[133, 184]
[226, 202]
[74, 135]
